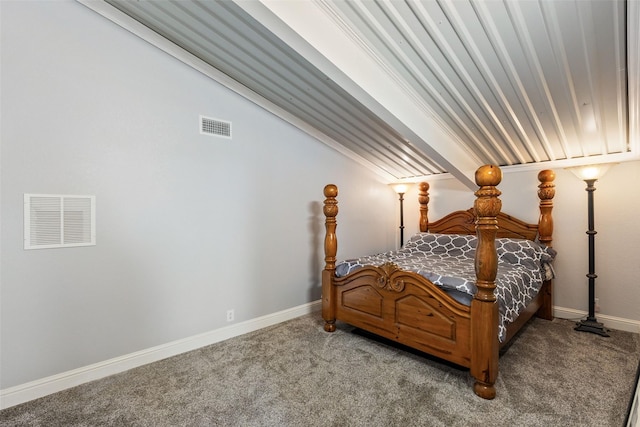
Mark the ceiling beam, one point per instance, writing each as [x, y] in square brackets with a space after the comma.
[310, 29]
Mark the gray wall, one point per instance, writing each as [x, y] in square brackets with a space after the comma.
[188, 226]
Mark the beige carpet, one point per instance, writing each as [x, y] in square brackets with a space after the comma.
[295, 374]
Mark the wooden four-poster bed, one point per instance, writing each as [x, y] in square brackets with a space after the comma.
[403, 305]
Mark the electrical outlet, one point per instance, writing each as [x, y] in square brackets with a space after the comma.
[596, 306]
[230, 315]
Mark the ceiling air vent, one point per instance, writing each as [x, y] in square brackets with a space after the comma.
[215, 127]
[57, 221]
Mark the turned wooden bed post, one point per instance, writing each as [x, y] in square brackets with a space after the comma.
[484, 307]
[330, 251]
[423, 200]
[546, 192]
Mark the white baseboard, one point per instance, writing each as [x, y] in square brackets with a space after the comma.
[610, 322]
[35, 389]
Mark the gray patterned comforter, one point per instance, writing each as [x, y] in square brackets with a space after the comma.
[447, 260]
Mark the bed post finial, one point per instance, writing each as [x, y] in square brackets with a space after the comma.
[423, 199]
[484, 308]
[546, 192]
[330, 251]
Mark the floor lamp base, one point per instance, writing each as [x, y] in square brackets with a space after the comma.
[591, 325]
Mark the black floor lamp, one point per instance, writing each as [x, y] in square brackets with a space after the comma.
[590, 174]
[401, 189]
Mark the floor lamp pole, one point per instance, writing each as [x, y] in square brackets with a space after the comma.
[401, 195]
[401, 188]
[591, 324]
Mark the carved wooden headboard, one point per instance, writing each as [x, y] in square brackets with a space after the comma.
[463, 222]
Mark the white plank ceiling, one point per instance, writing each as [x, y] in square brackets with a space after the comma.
[420, 88]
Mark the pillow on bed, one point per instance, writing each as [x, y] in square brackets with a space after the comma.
[526, 253]
[455, 245]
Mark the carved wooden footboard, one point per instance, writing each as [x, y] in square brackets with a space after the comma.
[406, 307]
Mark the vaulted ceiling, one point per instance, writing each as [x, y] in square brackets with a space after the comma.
[421, 88]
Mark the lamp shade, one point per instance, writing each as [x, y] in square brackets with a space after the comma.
[591, 172]
[401, 187]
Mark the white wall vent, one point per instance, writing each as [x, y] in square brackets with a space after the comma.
[215, 127]
[58, 221]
